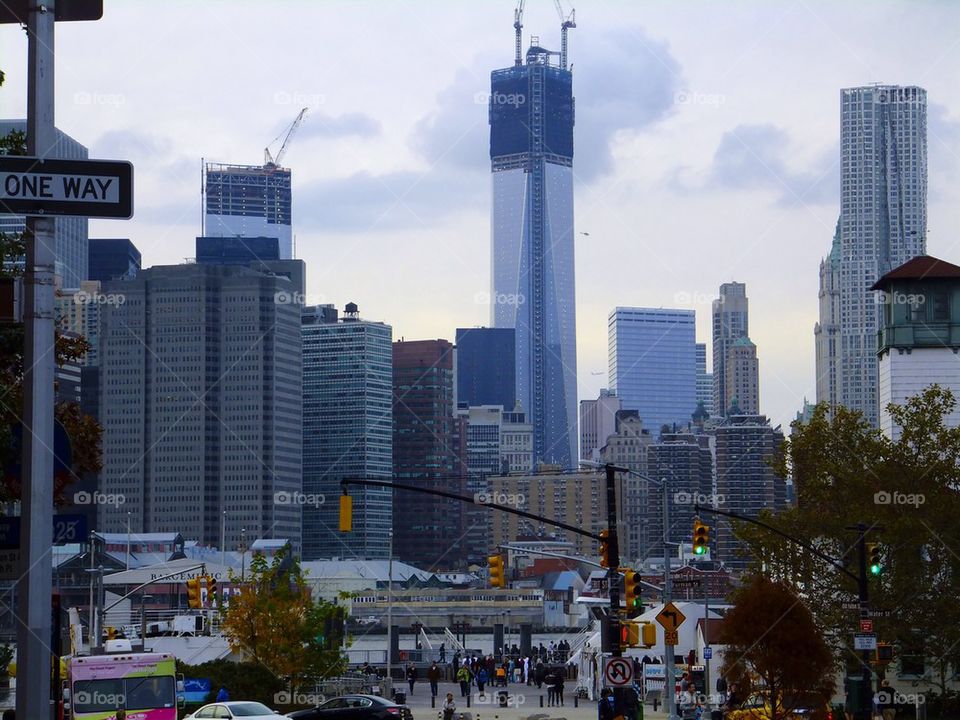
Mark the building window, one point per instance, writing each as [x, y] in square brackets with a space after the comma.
[941, 306]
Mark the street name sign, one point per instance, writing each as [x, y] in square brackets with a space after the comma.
[618, 671]
[670, 617]
[85, 188]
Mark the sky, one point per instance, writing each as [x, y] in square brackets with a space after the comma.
[706, 145]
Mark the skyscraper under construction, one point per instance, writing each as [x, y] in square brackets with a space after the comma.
[531, 154]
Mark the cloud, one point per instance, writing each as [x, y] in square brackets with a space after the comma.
[364, 202]
[756, 157]
[626, 82]
[319, 125]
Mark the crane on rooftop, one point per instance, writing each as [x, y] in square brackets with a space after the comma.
[270, 160]
[518, 28]
[566, 22]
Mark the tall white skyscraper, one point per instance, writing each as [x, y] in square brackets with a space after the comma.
[883, 223]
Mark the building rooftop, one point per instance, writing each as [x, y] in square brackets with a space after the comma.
[922, 267]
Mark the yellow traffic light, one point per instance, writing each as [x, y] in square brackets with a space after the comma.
[346, 513]
[648, 634]
[701, 538]
[605, 548]
[211, 590]
[498, 577]
[193, 593]
[111, 632]
[631, 592]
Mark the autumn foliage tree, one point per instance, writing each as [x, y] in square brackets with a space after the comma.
[274, 621]
[774, 646]
[907, 492]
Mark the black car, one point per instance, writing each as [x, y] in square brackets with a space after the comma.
[355, 707]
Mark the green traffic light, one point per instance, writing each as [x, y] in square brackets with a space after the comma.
[875, 569]
[699, 550]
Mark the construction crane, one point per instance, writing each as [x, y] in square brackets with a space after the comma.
[274, 160]
[566, 22]
[518, 27]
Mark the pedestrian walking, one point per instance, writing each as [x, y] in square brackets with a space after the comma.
[411, 676]
[482, 679]
[433, 675]
[463, 677]
[558, 686]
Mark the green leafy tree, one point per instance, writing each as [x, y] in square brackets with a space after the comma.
[907, 492]
[773, 645]
[276, 623]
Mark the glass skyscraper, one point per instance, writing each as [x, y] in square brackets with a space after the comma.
[248, 201]
[347, 431]
[653, 364]
[531, 154]
[486, 367]
[883, 224]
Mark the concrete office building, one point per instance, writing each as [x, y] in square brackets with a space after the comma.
[200, 402]
[598, 421]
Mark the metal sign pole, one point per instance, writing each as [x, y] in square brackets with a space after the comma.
[36, 531]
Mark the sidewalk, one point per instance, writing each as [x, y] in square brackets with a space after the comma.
[523, 704]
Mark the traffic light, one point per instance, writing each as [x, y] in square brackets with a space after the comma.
[111, 632]
[874, 563]
[648, 634]
[631, 592]
[497, 576]
[701, 538]
[193, 593]
[211, 589]
[629, 634]
[605, 548]
[346, 512]
[883, 655]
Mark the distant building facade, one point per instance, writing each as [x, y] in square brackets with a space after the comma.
[704, 381]
[347, 431]
[742, 383]
[598, 421]
[200, 402]
[112, 259]
[745, 480]
[249, 201]
[427, 452]
[731, 321]
[486, 367]
[653, 364]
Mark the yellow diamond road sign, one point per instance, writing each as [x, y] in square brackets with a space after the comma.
[670, 617]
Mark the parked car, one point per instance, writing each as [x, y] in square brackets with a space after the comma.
[806, 706]
[355, 707]
[234, 709]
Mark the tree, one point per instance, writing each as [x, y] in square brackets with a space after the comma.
[84, 431]
[274, 621]
[773, 644]
[846, 472]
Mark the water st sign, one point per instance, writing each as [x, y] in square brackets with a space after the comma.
[84, 188]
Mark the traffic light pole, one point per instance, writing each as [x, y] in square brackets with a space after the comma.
[865, 711]
[669, 666]
[613, 572]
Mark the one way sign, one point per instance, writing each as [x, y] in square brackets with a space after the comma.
[86, 188]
